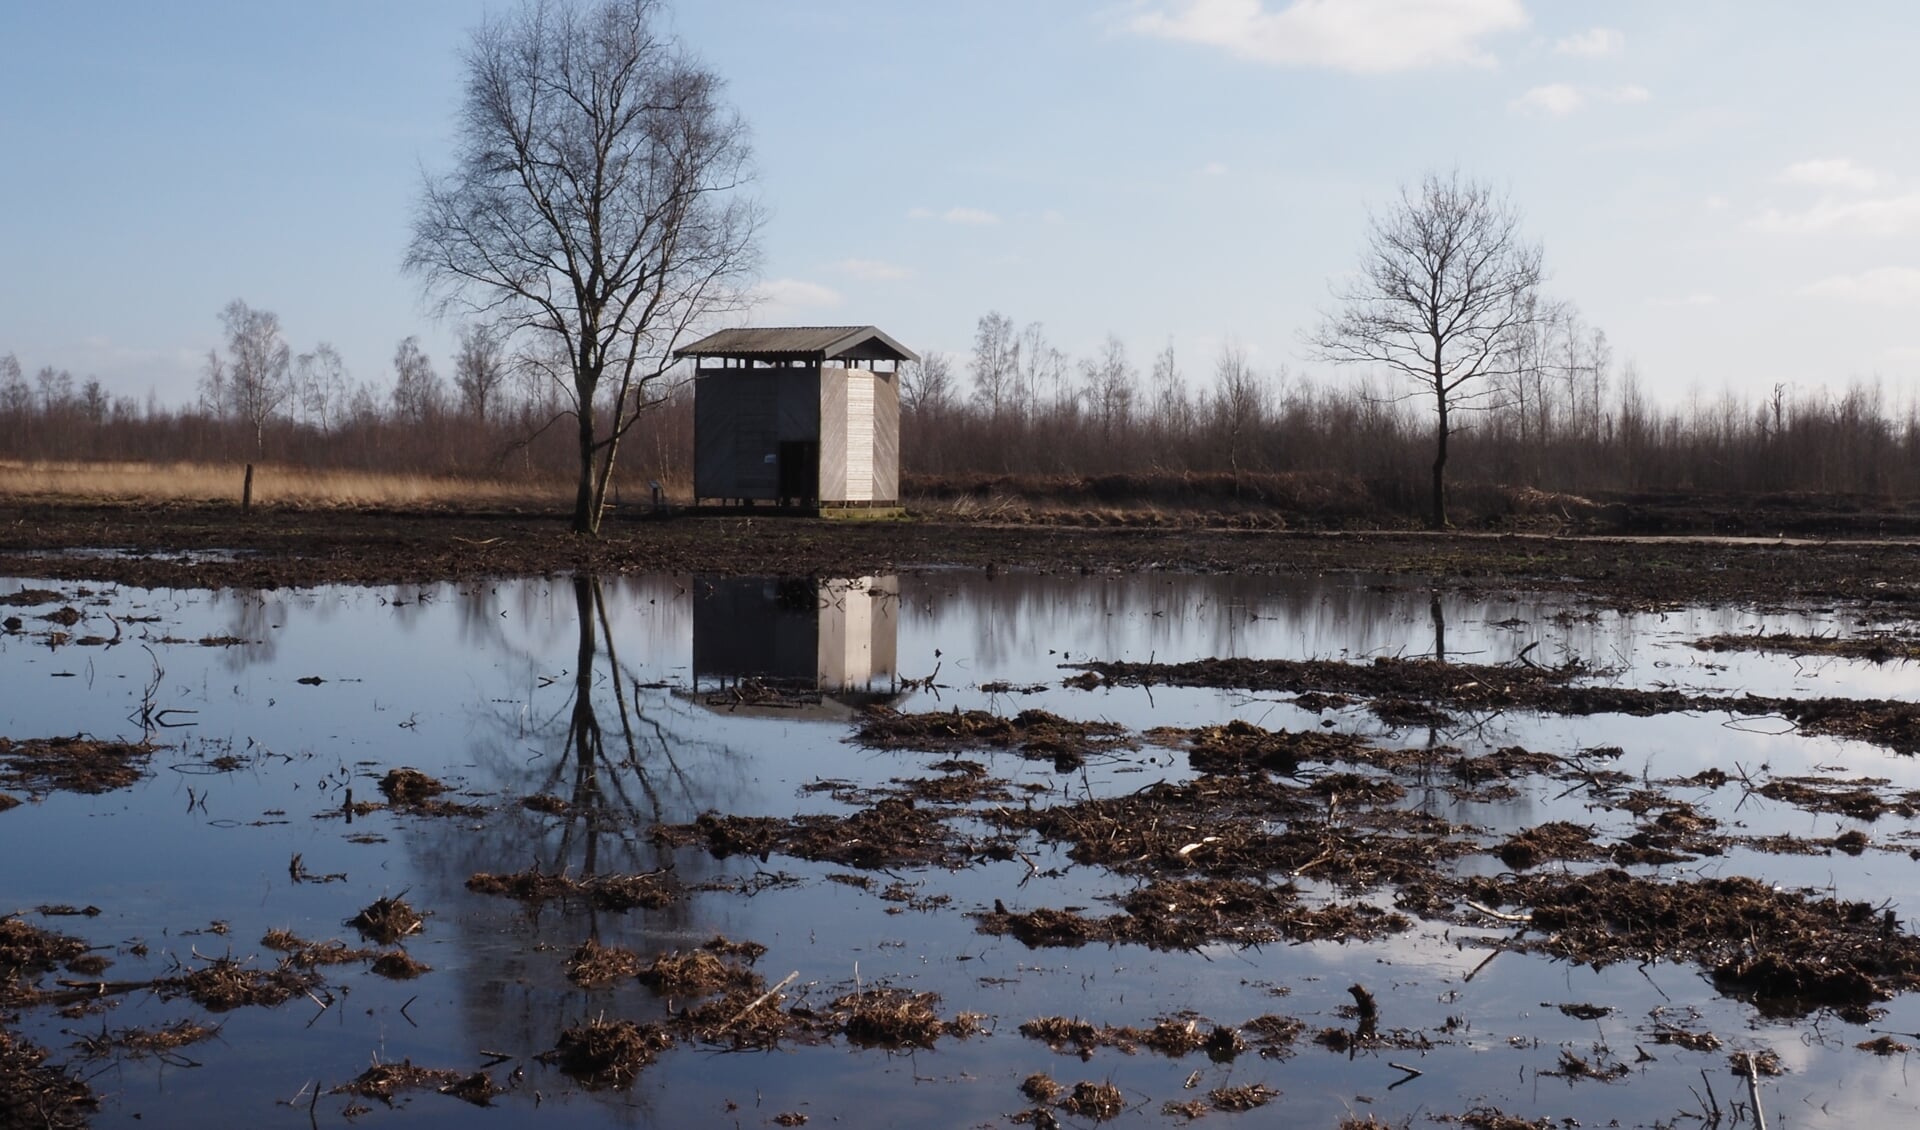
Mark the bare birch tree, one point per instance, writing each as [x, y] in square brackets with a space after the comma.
[256, 378]
[479, 370]
[1444, 285]
[593, 213]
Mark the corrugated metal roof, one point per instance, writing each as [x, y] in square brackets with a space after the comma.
[800, 343]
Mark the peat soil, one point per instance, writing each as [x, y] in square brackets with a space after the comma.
[211, 546]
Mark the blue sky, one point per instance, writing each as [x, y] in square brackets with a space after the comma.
[1729, 188]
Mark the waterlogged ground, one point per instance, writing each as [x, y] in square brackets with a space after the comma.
[1365, 888]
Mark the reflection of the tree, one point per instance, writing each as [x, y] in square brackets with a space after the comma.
[623, 754]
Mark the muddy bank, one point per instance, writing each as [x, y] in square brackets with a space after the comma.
[211, 546]
[1892, 723]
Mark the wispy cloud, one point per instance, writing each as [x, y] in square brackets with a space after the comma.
[1214, 169]
[977, 217]
[1558, 99]
[1592, 43]
[778, 298]
[1881, 216]
[1832, 172]
[1363, 36]
[1882, 286]
[872, 270]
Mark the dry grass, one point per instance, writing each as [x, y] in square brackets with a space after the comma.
[273, 485]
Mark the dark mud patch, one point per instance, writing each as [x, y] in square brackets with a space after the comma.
[648, 891]
[895, 832]
[1879, 648]
[1187, 914]
[1555, 840]
[28, 598]
[78, 764]
[1036, 734]
[1231, 827]
[38, 1095]
[1239, 747]
[1787, 952]
[1861, 798]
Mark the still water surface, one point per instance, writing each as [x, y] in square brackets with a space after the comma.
[481, 685]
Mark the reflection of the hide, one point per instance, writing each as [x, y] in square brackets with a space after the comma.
[818, 648]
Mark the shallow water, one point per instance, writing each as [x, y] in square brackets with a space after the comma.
[481, 686]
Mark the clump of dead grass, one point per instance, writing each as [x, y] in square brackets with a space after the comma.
[650, 890]
[387, 920]
[406, 787]
[889, 1018]
[77, 764]
[227, 983]
[34, 1094]
[1098, 1101]
[595, 964]
[384, 1081]
[696, 973]
[608, 1053]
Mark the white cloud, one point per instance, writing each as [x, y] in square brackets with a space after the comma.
[1882, 286]
[977, 217]
[1696, 299]
[1558, 99]
[872, 270]
[783, 298]
[1882, 216]
[1832, 172]
[1591, 44]
[1363, 36]
[1717, 203]
[1555, 100]
[1214, 169]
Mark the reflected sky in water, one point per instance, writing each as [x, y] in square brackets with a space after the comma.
[623, 697]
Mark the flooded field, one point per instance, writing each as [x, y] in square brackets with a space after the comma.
[952, 848]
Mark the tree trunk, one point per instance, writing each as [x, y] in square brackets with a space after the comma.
[586, 519]
[1438, 519]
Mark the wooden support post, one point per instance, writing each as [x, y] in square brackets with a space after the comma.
[246, 492]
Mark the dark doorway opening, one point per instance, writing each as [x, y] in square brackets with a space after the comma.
[799, 472]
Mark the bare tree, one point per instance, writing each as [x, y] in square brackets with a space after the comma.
[926, 385]
[996, 364]
[593, 210]
[16, 398]
[1239, 402]
[256, 378]
[1109, 380]
[1445, 283]
[479, 370]
[322, 386]
[416, 387]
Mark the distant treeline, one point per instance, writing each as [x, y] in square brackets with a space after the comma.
[1573, 423]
